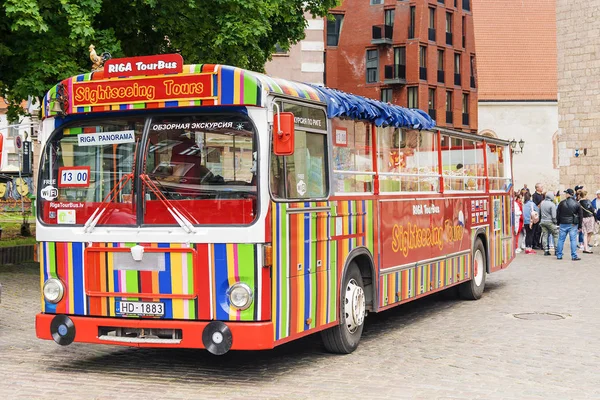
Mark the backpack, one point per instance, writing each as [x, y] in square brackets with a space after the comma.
[535, 216]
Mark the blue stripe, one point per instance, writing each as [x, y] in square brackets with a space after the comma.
[80, 109]
[396, 297]
[173, 103]
[164, 282]
[221, 281]
[80, 78]
[307, 272]
[123, 107]
[215, 85]
[279, 270]
[78, 278]
[226, 85]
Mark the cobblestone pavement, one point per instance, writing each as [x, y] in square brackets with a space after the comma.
[429, 349]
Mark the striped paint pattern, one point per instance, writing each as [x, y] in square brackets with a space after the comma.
[310, 251]
[230, 86]
[502, 241]
[206, 278]
[405, 285]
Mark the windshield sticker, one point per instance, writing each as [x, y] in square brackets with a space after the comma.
[301, 187]
[70, 204]
[66, 217]
[73, 177]
[49, 193]
[196, 125]
[103, 138]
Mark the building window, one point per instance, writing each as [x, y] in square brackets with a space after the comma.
[457, 78]
[372, 66]
[389, 17]
[464, 31]
[466, 5]
[375, 2]
[413, 97]
[334, 28]
[465, 109]
[473, 71]
[449, 29]
[279, 50]
[386, 95]
[431, 30]
[400, 62]
[423, 62]
[411, 25]
[431, 103]
[449, 111]
[440, 66]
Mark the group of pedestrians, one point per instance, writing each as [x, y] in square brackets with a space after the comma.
[543, 220]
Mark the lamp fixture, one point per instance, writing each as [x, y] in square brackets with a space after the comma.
[513, 146]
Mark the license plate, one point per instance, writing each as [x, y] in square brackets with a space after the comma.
[140, 308]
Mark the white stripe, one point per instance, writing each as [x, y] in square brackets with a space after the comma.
[259, 266]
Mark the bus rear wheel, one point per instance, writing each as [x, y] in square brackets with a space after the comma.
[473, 289]
[344, 338]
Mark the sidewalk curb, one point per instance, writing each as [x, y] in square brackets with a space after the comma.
[18, 254]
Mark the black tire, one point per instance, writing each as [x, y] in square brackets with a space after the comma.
[471, 290]
[339, 339]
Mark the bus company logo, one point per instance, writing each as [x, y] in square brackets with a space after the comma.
[145, 65]
[421, 209]
[413, 237]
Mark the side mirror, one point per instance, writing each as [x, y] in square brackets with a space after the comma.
[283, 134]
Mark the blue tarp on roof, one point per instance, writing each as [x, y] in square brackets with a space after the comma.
[341, 104]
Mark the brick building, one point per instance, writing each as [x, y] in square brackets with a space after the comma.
[414, 53]
[578, 45]
[516, 60]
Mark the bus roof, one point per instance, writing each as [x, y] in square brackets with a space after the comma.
[211, 85]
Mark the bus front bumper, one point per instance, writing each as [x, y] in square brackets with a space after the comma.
[218, 337]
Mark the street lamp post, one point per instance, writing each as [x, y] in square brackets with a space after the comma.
[513, 146]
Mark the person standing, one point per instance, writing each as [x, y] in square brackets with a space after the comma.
[578, 188]
[548, 222]
[519, 233]
[596, 205]
[569, 215]
[538, 197]
[530, 212]
[589, 218]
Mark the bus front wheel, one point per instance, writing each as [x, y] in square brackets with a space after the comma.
[473, 289]
[344, 338]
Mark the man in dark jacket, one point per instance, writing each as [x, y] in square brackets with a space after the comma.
[569, 216]
[537, 197]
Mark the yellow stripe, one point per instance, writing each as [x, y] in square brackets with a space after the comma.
[236, 85]
[42, 247]
[111, 284]
[176, 281]
[71, 282]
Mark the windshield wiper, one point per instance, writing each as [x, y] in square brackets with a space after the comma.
[110, 197]
[175, 212]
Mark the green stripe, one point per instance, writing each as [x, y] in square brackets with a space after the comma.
[283, 272]
[190, 288]
[369, 222]
[139, 105]
[246, 273]
[250, 89]
[132, 285]
[52, 259]
[385, 290]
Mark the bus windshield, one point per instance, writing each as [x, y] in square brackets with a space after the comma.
[203, 165]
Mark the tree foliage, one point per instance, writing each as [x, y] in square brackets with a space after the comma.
[44, 41]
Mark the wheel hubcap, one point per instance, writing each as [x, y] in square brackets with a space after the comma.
[354, 306]
[478, 267]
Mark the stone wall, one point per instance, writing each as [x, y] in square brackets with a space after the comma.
[578, 42]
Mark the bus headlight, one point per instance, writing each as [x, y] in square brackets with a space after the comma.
[240, 296]
[53, 290]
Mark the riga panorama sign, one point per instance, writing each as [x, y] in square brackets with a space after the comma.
[146, 65]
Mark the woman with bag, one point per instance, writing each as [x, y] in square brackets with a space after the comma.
[519, 232]
[589, 219]
[531, 215]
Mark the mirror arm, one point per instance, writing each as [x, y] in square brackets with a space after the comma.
[279, 132]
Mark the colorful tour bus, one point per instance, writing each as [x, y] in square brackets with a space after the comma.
[207, 206]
